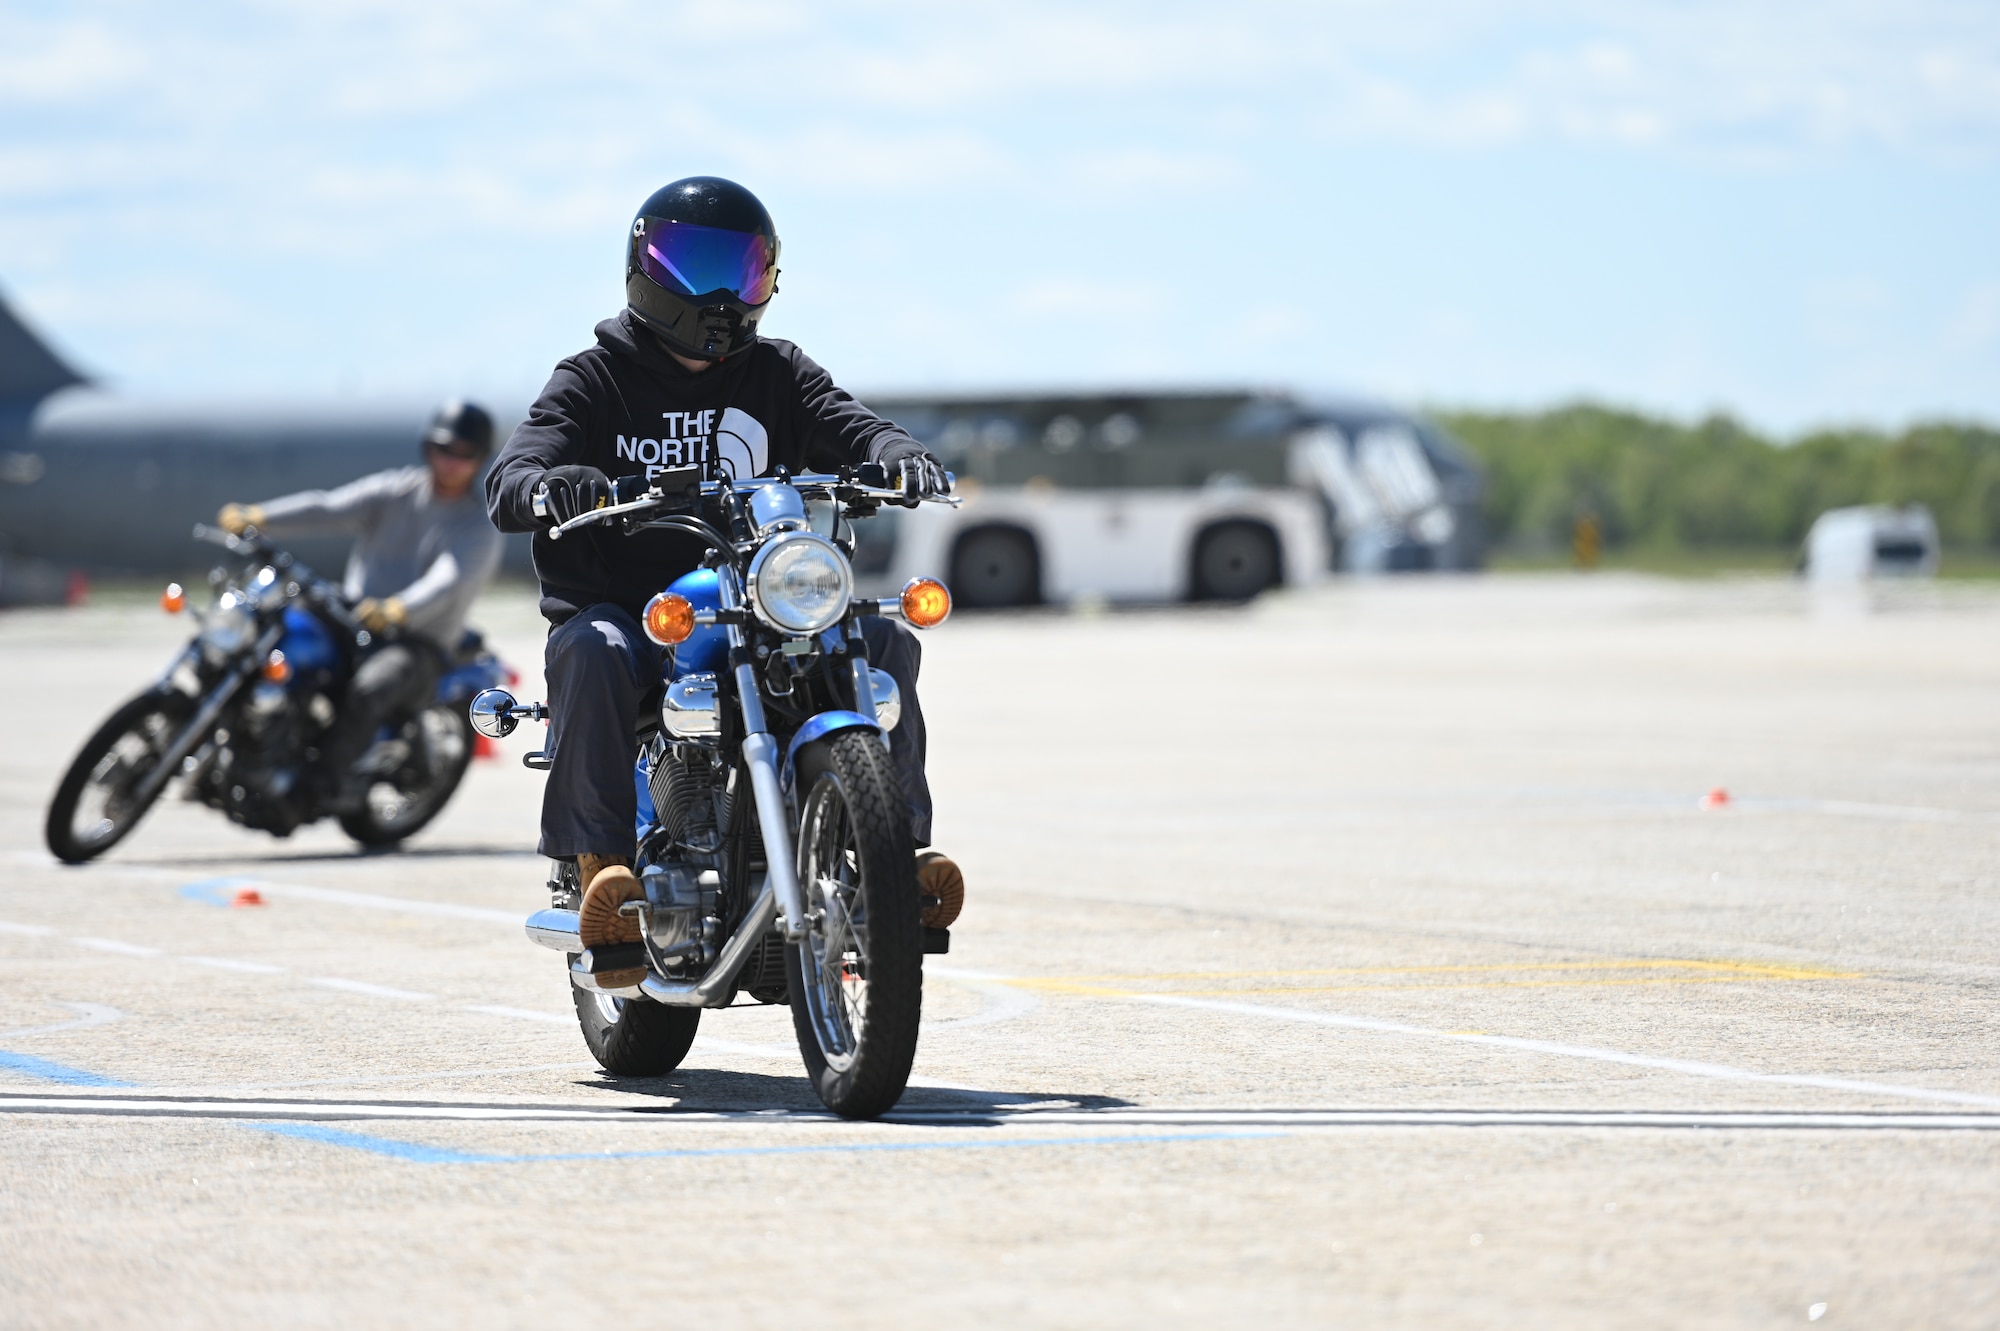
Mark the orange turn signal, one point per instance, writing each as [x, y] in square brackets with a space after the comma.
[173, 600]
[669, 619]
[926, 602]
[276, 668]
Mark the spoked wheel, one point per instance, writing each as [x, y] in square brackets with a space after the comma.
[97, 804]
[857, 981]
[635, 1037]
[398, 806]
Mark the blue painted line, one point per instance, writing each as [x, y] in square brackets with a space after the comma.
[29, 1065]
[435, 1155]
[214, 891]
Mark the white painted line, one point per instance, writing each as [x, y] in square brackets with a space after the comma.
[1004, 1002]
[30, 930]
[524, 1014]
[372, 990]
[89, 1014]
[1113, 1120]
[232, 964]
[404, 905]
[113, 945]
[1720, 1071]
[715, 1046]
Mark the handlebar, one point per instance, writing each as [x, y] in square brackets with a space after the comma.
[810, 485]
[324, 596]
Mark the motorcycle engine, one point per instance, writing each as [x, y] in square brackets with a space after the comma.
[680, 874]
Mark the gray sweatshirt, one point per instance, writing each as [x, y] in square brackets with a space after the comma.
[435, 555]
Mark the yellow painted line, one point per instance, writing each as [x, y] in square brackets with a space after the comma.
[1708, 972]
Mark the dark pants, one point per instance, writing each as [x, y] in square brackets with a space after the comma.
[393, 680]
[600, 665]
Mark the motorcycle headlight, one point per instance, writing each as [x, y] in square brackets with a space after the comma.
[229, 626]
[800, 583]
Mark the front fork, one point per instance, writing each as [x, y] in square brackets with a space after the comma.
[760, 754]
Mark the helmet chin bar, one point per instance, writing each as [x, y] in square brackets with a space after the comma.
[701, 331]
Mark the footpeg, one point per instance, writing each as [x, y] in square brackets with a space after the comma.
[611, 957]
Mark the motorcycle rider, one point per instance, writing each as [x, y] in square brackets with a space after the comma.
[424, 550]
[680, 376]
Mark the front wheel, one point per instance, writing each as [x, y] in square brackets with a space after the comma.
[635, 1037]
[399, 805]
[97, 804]
[857, 981]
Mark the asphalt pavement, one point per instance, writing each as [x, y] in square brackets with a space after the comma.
[1509, 951]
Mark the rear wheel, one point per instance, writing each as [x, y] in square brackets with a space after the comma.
[635, 1037]
[857, 981]
[96, 804]
[400, 805]
[1235, 561]
[995, 567]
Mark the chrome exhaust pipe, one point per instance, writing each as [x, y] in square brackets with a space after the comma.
[712, 989]
[561, 931]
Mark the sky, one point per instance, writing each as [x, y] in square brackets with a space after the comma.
[1789, 211]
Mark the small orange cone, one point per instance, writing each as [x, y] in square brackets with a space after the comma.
[247, 896]
[1717, 798]
[482, 747]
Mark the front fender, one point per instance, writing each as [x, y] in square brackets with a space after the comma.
[826, 723]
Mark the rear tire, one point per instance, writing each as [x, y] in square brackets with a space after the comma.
[635, 1037]
[389, 814]
[995, 567]
[1234, 561]
[857, 981]
[96, 791]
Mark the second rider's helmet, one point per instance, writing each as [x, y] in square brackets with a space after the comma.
[701, 262]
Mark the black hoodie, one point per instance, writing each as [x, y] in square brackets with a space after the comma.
[626, 407]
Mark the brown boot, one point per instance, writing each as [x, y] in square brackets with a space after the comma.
[608, 883]
[938, 876]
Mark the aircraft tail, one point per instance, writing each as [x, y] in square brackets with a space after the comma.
[29, 370]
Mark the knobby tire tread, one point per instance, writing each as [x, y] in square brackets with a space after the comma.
[879, 812]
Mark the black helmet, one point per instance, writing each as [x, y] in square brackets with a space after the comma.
[461, 423]
[701, 262]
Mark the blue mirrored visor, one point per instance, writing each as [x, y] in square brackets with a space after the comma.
[698, 260]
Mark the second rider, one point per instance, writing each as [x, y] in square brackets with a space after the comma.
[680, 376]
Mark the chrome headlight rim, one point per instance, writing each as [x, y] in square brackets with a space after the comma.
[228, 626]
[760, 591]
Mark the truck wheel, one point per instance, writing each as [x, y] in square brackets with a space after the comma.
[994, 567]
[1233, 561]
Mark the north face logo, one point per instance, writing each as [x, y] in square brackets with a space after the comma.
[737, 442]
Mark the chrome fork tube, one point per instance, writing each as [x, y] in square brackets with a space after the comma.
[211, 707]
[760, 753]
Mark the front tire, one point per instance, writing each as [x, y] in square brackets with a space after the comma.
[635, 1037]
[857, 981]
[94, 806]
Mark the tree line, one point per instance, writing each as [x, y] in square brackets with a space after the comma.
[1655, 482]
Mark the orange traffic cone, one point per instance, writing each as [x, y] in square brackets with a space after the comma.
[247, 896]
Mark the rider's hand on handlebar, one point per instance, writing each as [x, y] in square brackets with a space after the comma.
[235, 517]
[378, 615]
[923, 477]
[573, 490]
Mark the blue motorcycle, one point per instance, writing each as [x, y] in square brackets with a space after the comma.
[774, 840]
[236, 717]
